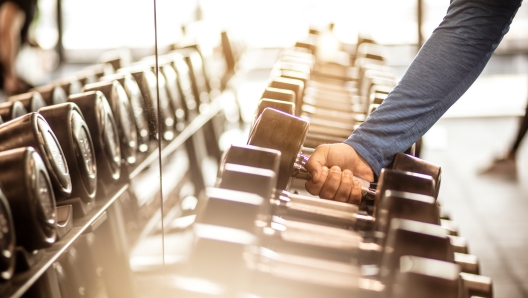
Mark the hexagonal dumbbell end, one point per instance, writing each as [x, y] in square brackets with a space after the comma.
[407, 237]
[406, 205]
[217, 250]
[420, 277]
[230, 208]
[405, 162]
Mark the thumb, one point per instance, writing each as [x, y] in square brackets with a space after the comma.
[315, 163]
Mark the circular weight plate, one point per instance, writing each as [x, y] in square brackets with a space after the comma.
[44, 195]
[128, 129]
[84, 151]
[136, 102]
[54, 154]
[44, 205]
[110, 137]
[7, 240]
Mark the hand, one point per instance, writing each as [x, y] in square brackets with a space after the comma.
[332, 168]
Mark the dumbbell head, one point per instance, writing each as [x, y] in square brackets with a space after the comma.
[405, 162]
[279, 94]
[103, 130]
[123, 116]
[407, 237]
[7, 239]
[146, 81]
[52, 94]
[217, 250]
[406, 205]
[73, 134]
[93, 73]
[70, 85]
[11, 110]
[404, 181]
[184, 82]
[283, 132]
[33, 130]
[174, 94]
[476, 286]
[136, 102]
[230, 208]
[296, 86]
[284, 106]
[420, 277]
[32, 101]
[250, 179]
[251, 156]
[28, 190]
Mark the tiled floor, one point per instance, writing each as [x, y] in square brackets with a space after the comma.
[492, 212]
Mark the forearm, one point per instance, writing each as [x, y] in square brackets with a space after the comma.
[11, 21]
[446, 66]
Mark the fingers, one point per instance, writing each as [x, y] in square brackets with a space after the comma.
[331, 185]
[313, 187]
[345, 187]
[355, 194]
[316, 162]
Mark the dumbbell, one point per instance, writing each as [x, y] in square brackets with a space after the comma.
[7, 240]
[103, 131]
[70, 85]
[200, 88]
[316, 240]
[136, 102]
[297, 235]
[285, 133]
[284, 106]
[217, 248]
[73, 134]
[93, 73]
[32, 101]
[28, 190]
[52, 94]
[422, 277]
[170, 85]
[325, 108]
[279, 94]
[251, 157]
[123, 116]
[258, 181]
[262, 271]
[190, 102]
[33, 130]
[146, 80]
[11, 110]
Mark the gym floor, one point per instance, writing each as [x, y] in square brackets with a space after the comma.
[491, 211]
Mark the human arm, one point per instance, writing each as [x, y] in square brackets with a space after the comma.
[11, 22]
[446, 66]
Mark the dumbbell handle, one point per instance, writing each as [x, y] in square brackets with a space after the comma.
[300, 172]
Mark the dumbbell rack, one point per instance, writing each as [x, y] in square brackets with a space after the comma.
[21, 282]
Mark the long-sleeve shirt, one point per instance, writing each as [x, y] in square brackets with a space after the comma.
[445, 67]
